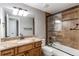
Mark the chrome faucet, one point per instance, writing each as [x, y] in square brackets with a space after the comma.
[21, 36]
[51, 40]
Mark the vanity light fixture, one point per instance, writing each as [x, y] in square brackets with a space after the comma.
[25, 13]
[20, 11]
[15, 11]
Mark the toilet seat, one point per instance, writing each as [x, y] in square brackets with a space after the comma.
[48, 51]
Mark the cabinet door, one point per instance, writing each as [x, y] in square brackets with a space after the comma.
[29, 53]
[0, 53]
[36, 51]
[25, 48]
[33, 52]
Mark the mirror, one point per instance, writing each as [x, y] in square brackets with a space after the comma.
[18, 24]
[0, 27]
[12, 26]
[26, 26]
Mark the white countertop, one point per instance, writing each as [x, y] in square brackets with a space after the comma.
[17, 42]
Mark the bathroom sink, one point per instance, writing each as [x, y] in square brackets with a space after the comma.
[2, 47]
[24, 41]
[20, 41]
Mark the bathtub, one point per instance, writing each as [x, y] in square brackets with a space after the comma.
[58, 49]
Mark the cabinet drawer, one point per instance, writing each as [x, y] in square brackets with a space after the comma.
[37, 44]
[21, 54]
[8, 52]
[24, 48]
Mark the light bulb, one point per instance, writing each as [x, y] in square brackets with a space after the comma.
[25, 13]
[21, 12]
[15, 11]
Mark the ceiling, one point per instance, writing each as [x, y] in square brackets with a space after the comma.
[52, 7]
[9, 11]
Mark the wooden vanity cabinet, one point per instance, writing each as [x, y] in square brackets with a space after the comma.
[32, 49]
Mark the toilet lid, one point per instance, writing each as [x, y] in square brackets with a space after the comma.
[47, 49]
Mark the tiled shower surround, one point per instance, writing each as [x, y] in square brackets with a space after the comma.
[65, 35]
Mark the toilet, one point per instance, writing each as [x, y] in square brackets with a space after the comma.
[48, 51]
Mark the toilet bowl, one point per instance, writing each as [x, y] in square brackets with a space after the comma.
[48, 51]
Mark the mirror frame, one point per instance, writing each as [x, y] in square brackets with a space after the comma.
[6, 25]
[18, 25]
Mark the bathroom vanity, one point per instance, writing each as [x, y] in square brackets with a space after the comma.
[25, 47]
[14, 26]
